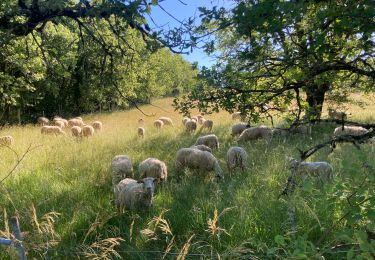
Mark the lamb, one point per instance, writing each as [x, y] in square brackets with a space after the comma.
[255, 133]
[196, 159]
[208, 140]
[75, 122]
[60, 119]
[166, 120]
[52, 130]
[201, 120]
[135, 195]
[155, 168]
[6, 140]
[141, 132]
[350, 130]
[191, 126]
[121, 168]
[97, 125]
[334, 114]
[237, 129]
[184, 120]
[43, 121]
[158, 124]
[321, 170]
[59, 123]
[236, 157]
[208, 124]
[195, 118]
[88, 130]
[76, 131]
[202, 148]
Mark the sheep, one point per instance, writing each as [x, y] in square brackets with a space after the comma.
[237, 129]
[184, 120]
[195, 118]
[52, 130]
[236, 115]
[302, 129]
[158, 124]
[141, 132]
[60, 119]
[135, 195]
[208, 124]
[166, 120]
[87, 131]
[236, 157]
[97, 125]
[202, 148]
[59, 123]
[196, 159]
[121, 168]
[76, 131]
[141, 121]
[208, 140]
[255, 133]
[350, 130]
[75, 122]
[152, 167]
[191, 126]
[335, 114]
[6, 140]
[43, 121]
[201, 120]
[321, 170]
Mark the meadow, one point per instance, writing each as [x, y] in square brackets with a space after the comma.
[62, 193]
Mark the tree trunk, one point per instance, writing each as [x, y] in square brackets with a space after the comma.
[315, 95]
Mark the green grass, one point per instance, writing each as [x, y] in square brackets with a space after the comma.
[72, 177]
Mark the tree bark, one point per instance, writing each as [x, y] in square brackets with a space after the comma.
[315, 96]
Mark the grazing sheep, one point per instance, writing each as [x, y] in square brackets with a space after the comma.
[255, 133]
[237, 129]
[202, 148]
[201, 120]
[152, 167]
[236, 157]
[121, 168]
[195, 118]
[76, 131]
[208, 140]
[208, 124]
[236, 115]
[75, 122]
[6, 140]
[97, 125]
[350, 130]
[55, 130]
[141, 132]
[191, 126]
[57, 118]
[335, 114]
[135, 195]
[196, 159]
[166, 120]
[141, 121]
[59, 123]
[158, 124]
[87, 131]
[184, 120]
[321, 170]
[43, 121]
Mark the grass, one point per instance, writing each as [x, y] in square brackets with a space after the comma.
[64, 186]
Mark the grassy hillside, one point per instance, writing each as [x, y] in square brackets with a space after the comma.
[63, 196]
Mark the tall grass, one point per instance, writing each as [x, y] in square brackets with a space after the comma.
[66, 182]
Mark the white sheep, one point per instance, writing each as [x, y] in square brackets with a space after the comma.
[255, 133]
[55, 130]
[97, 125]
[201, 120]
[75, 122]
[59, 123]
[350, 130]
[202, 147]
[196, 159]
[335, 114]
[57, 118]
[185, 119]
[152, 167]
[135, 195]
[236, 157]
[87, 131]
[43, 121]
[141, 132]
[195, 118]
[208, 140]
[158, 124]
[237, 129]
[208, 124]
[121, 168]
[76, 131]
[166, 120]
[321, 170]
[191, 126]
[6, 140]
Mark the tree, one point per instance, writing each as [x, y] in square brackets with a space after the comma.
[278, 53]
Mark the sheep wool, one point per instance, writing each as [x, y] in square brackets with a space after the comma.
[166, 120]
[208, 140]
[52, 130]
[121, 168]
[97, 125]
[208, 124]
[254, 133]
[141, 132]
[202, 148]
[321, 170]
[75, 122]
[237, 129]
[236, 157]
[158, 124]
[350, 130]
[43, 121]
[152, 167]
[87, 131]
[191, 126]
[76, 131]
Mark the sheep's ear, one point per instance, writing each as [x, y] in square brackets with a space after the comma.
[140, 181]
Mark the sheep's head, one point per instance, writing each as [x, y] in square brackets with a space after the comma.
[148, 186]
